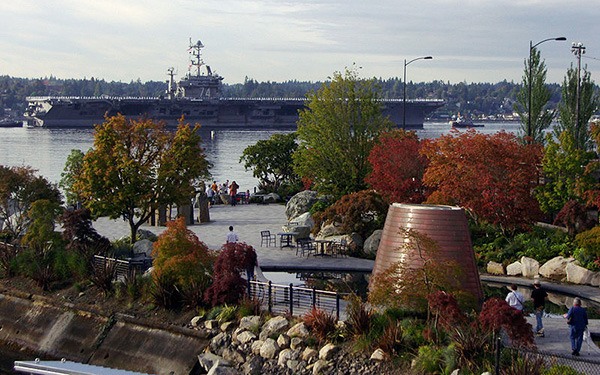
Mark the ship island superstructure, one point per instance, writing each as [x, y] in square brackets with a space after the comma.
[198, 98]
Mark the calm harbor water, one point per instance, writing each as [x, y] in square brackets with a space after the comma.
[46, 150]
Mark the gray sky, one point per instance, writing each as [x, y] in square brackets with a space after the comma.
[307, 40]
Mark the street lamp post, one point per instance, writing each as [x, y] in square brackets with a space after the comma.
[578, 49]
[404, 84]
[530, 76]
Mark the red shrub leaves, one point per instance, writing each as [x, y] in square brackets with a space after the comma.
[398, 167]
[445, 309]
[492, 176]
[228, 285]
[496, 314]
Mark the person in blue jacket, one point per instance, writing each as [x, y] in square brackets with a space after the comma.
[577, 319]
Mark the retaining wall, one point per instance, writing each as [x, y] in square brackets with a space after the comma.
[61, 331]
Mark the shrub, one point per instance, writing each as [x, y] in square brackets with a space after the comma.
[181, 259]
[361, 212]
[588, 248]
[359, 316]
[496, 314]
[524, 363]
[227, 314]
[228, 286]
[321, 323]
[248, 306]
[429, 360]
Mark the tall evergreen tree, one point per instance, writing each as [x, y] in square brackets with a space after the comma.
[588, 104]
[535, 116]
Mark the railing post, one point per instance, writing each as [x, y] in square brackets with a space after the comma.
[291, 299]
[270, 298]
[249, 289]
[314, 297]
[337, 306]
[498, 345]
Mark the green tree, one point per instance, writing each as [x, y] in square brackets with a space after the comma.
[44, 258]
[19, 189]
[588, 104]
[336, 134]
[72, 169]
[563, 167]
[272, 162]
[136, 166]
[532, 128]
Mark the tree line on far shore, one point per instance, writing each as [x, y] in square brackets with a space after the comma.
[473, 99]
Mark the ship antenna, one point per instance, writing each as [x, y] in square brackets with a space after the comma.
[196, 56]
[171, 83]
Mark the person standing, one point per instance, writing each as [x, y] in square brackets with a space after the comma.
[577, 319]
[232, 237]
[515, 299]
[539, 295]
[233, 189]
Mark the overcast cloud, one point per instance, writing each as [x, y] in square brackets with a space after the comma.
[270, 40]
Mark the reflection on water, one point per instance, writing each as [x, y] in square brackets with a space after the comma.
[47, 149]
[341, 282]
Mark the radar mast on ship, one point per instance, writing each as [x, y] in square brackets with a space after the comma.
[198, 84]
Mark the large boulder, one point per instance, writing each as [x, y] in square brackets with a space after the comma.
[329, 230]
[372, 243]
[300, 203]
[271, 198]
[529, 267]
[514, 269]
[143, 247]
[274, 325]
[304, 220]
[578, 275]
[554, 269]
[495, 268]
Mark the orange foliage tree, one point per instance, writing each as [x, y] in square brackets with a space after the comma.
[491, 176]
[398, 167]
[182, 266]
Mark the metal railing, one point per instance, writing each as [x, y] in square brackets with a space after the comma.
[294, 300]
[124, 268]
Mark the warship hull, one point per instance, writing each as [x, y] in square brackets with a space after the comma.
[198, 98]
[52, 112]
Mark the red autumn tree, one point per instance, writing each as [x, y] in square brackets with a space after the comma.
[398, 167]
[491, 176]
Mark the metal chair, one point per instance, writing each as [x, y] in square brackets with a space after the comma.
[340, 248]
[305, 246]
[267, 239]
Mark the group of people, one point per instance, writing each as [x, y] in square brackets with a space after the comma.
[230, 190]
[576, 316]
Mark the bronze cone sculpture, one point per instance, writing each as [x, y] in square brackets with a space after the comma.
[446, 225]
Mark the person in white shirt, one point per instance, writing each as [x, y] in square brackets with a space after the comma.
[515, 299]
[232, 237]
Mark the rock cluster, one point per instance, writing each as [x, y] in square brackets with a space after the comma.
[558, 269]
[277, 346]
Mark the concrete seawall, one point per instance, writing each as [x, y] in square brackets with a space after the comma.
[61, 331]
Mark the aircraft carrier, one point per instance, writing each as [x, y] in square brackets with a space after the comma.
[197, 98]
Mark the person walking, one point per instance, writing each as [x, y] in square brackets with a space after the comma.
[539, 296]
[577, 320]
[232, 237]
[514, 298]
[233, 189]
